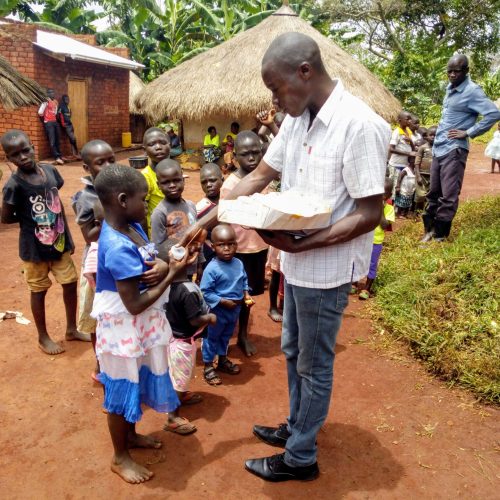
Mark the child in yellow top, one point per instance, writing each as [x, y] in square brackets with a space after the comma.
[156, 144]
[388, 217]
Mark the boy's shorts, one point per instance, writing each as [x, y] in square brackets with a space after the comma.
[36, 274]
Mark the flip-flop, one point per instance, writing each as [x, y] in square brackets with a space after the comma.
[191, 398]
[364, 295]
[180, 426]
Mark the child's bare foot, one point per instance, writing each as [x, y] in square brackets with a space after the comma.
[275, 315]
[48, 346]
[130, 471]
[142, 441]
[76, 335]
[247, 347]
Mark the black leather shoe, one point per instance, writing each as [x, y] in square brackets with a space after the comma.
[276, 470]
[275, 436]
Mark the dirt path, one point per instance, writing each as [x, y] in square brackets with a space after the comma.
[393, 431]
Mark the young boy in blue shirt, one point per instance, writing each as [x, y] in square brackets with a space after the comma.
[225, 288]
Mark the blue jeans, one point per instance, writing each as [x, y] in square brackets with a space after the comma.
[219, 335]
[311, 322]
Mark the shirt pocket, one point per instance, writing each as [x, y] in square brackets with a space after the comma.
[324, 172]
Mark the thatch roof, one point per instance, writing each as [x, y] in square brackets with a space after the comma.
[17, 90]
[226, 80]
[135, 87]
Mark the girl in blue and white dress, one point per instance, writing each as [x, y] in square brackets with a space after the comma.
[132, 330]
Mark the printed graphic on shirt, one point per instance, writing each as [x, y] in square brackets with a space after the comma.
[178, 223]
[47, 214]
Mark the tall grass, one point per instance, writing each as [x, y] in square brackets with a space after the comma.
[442, 299]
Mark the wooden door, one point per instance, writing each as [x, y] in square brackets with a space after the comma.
[78, 102]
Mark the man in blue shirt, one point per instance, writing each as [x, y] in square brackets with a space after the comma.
[463, 103]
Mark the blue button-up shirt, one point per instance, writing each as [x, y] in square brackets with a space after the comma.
[461, 107]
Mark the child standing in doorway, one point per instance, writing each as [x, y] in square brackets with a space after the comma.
[132, 330]
[225, 289]
[31, 198]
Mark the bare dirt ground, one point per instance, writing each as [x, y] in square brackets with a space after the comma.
[393, 431]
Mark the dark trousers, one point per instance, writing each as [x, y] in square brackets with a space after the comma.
[447, 175]
[52, 131]
[70, 132]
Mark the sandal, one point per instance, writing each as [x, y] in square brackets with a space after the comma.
[211, 378]
[191, 398]
[364, 295]
[227, 366]
[180, 426]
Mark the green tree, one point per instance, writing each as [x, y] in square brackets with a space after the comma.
[408, 42]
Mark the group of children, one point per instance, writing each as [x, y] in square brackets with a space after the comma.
[410, 159]
[144, 300]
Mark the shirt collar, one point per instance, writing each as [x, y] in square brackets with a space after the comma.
[407, 131]
[87, 180]
[325, 114]
[461, 87]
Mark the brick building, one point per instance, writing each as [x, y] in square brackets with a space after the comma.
[96, 80]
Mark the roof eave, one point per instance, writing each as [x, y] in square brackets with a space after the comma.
[61, 56]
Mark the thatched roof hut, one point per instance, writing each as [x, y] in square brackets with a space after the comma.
[224, 83]
[135, 87]
[17, 90]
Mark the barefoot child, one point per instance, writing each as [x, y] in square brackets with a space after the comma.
[132, 330]
[96, 155]
[378, 239]
[31, 198]
[188, 315]
[211, 182]
[252, 250]
[173, 215]
[225, 289]
[156, 145]
[493, 150]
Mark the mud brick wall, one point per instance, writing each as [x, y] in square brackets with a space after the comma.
[108, 88]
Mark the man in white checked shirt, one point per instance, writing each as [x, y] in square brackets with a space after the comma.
[333, 146]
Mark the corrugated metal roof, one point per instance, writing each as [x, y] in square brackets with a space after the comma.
[61, 46]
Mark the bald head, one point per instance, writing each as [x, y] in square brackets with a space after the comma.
[246, 136]
[459, 59]
[290, 50]
[222, 233]
[292, 69]
[457, 69]
[168, 165]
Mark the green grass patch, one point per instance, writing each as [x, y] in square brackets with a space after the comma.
[442, 299]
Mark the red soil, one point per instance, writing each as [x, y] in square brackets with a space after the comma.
[393, 430]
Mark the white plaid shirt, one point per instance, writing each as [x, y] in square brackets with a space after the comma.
[340, 158]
